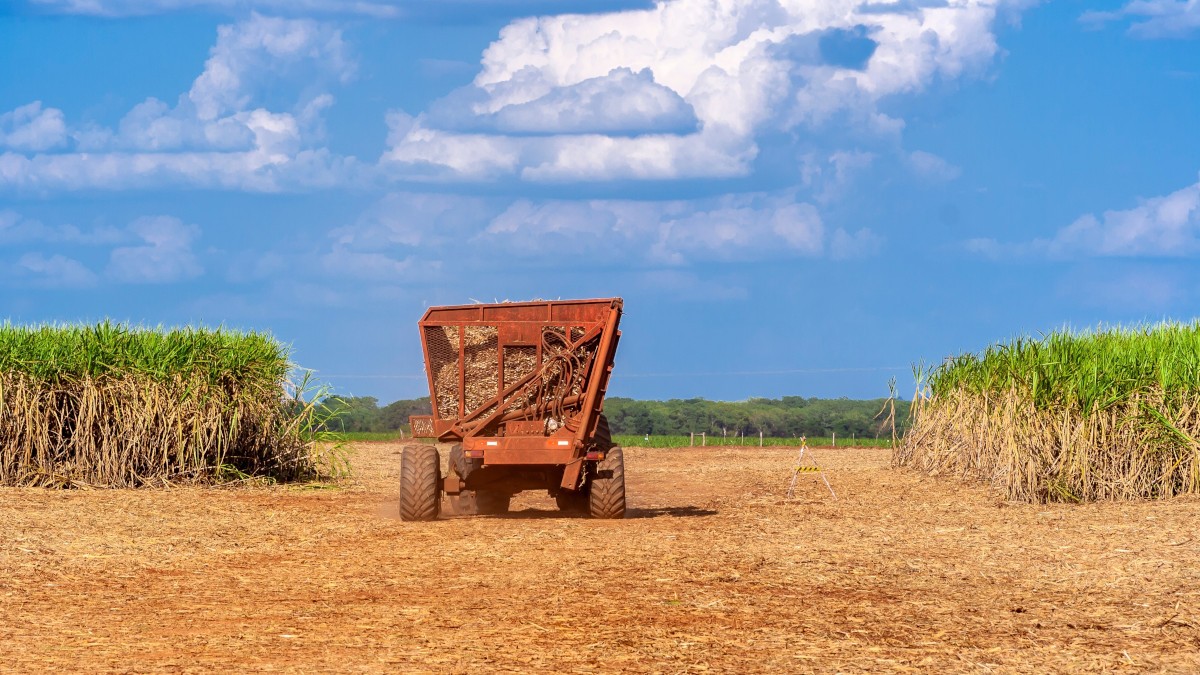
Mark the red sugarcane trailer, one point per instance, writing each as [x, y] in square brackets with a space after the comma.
[517, 389]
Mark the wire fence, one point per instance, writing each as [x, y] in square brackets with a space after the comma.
[709, 440]
[666, 441]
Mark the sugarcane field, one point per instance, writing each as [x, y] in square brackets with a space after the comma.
[261, 542]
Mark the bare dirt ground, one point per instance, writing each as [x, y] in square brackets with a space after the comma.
[713, 571]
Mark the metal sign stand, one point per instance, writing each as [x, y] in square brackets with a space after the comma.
[810, 467]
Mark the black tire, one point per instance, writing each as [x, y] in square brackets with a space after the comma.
[606, 499]
[459, 464]
[456, 465]
[571, 501]
[603, 437]
[420, 483]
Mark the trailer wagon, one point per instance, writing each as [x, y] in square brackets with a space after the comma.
[517, 390]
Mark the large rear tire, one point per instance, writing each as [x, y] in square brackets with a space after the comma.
[420, 483]
[606, 499]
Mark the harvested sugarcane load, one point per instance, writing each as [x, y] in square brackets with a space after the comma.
[517, 390]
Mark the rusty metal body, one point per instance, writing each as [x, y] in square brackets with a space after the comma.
[521, 386]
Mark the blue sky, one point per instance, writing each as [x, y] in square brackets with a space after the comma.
[794, 198]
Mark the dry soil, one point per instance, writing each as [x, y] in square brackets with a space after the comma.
[713, 571]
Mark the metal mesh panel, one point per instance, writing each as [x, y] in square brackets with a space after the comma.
[442, 344]
[421, 426]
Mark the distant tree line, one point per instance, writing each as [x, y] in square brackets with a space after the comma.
[790, 416]
[363, 413]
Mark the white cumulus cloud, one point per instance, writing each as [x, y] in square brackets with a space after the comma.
[932, 168]
[1160, 226]
[1166, 226]
[54, 271]
[16, 229]
[620, 102]
[412, 220]
[165, 254]
[1152, 19]
[729, 228]
[345, 263]
[32, 128]
[740, 67]
[384, 9]
[258, 50]
[862, 243]
[405, 229]
[213, 136]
